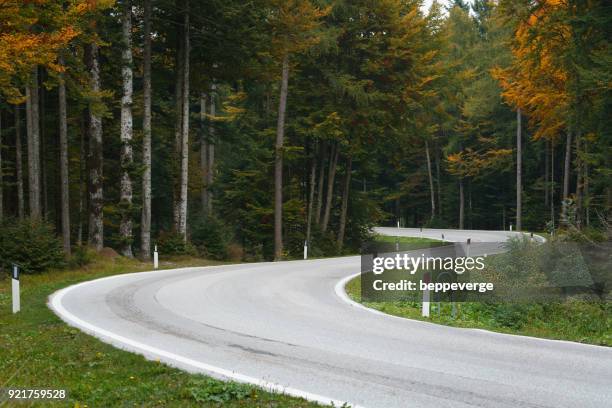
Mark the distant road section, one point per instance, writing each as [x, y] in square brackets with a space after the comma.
[284, 326]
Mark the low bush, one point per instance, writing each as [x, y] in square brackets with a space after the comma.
[172, 243]
[31, 244]
[211, 238]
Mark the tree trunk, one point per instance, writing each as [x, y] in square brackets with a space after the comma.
[566, 171]
[345, 199]
[461, 204]
[64, 178]
[438, 182]
[203, 153]
[43, 147]
[96, 194]
[82, 174]
[185, 129]
[552, 183]
[546, 174]
[330, 186]
[178, 132]
[125, 199]
[322, 154]
[210, 171]
[33, 145]
[278, 162]
[145, 222]
[311, 193]
[431, 182]
[586, 186]
[519, 171]
[1, 174]
[19, 164]
[566, 174]
[579, 181]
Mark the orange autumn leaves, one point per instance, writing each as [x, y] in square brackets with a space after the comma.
[537, 80]
[31, 34]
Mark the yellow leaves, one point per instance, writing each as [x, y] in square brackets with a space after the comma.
[294, 24]
[470, 163]
[32, 33]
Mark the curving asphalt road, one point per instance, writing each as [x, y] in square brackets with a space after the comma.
[289, 327]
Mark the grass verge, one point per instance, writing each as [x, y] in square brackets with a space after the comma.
[574, 320]
[38, 350]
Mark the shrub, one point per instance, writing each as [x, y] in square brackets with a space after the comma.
[172, 243]
[81, 256]
[31, 244]
[211, 238]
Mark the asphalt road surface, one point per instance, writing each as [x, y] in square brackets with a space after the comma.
[289, 327]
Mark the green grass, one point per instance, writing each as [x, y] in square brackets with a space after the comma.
[38, 350]
[417, 242]
[574, 320]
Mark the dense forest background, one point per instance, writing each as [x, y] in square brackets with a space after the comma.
[245, 128]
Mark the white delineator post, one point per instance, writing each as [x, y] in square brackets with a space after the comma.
[15, 287]
[305, 249]
[467, 251]
[425, 307]
[155, 258]
[510, 227]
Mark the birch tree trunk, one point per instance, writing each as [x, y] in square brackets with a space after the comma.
[64, 181]
[330, 186]
[345, 198]
[311, 193]
[431, 182]
[145, 221]
[322, 153]
[519, 171]
[278, 162]
[203, 154]
[210, 171]
[96, 193]
[178, 132]
[125, 200]
[461, 204]
[185, 130]
[19, 164]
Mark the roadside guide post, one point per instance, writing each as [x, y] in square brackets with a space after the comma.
[155, 258]
[426, 294]
[305, 249]
[467, 251]
[15, 288]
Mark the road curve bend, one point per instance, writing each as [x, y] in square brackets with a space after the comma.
[282, 326]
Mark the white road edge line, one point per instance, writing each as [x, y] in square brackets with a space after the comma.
[55, 303]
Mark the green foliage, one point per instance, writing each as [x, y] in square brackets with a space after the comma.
[81, 256]
[211, 238]
[31, 244]
[172, 243]
[209, 390]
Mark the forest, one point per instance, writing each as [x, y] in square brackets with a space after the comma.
[245, 128]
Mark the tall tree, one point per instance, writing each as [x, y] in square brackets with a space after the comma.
[519, 172]
[64, 176]
[184, 174]
[278, 162]
[19, 164]
[95, 155]
[145, 223]
[33, 122]
[125, 204]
